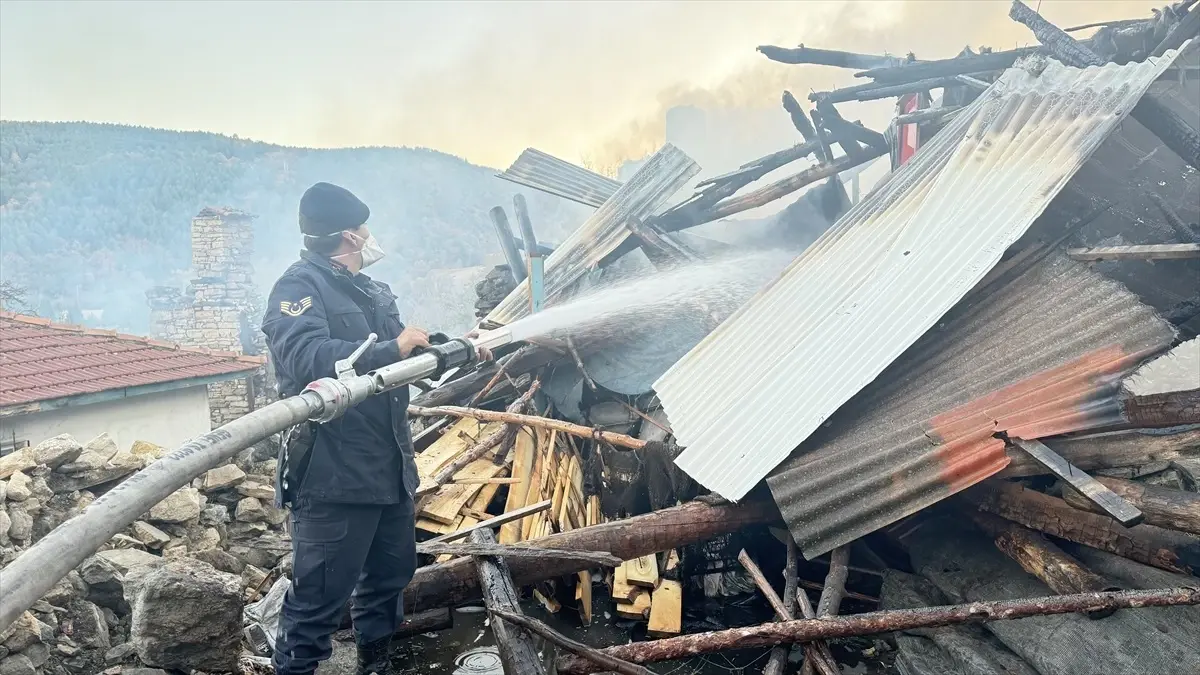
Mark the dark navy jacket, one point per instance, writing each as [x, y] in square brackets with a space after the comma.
[316, 314]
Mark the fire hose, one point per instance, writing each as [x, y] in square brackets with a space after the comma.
[41, 566]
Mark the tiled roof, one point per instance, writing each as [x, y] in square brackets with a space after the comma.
[41, 360]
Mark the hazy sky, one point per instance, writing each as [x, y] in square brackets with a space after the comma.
[482, 80]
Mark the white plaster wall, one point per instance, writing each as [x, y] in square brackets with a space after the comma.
[167, 418]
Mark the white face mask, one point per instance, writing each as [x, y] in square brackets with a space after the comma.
[370, 250]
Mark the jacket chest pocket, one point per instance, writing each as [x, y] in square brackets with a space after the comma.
[348, 324]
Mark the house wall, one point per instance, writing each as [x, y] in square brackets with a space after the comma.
[167, 418]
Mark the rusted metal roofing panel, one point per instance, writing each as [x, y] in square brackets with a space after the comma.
[540, 171]
[1044, 354]
[642, 196]
[768, 377]
[40, 361]
[1177, 370]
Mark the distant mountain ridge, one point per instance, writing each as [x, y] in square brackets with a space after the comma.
[92, 215]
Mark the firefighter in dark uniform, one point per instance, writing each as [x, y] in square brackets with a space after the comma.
[349, 483]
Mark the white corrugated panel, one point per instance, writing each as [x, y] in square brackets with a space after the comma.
[642, 196]
[769, 376]
[1177, 370]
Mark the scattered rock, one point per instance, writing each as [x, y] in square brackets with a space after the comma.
[250, 510]
[37, 654]
[222, 477]
[259, 491]
[17, 664]
[147, 451]
[181, 506]
[21, 527]
[3, 492]
[127, 559]
[187, 615]
[5, 524]
[19, 487]
[94, 456]
[21, 460]
[254, 577]
[54, 452]
[125, 541]
[143, 671]
[150, 535]
[87, 626]
[119, 653]
[83, 472]
[67, 589]
[105, 583]
[220, 560]
[214, 514]
[23, 632]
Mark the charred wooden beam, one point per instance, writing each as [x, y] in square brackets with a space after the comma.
[875, 91]
[1151, 111]
[1138, 252]
[1106, 500]
[785, 186]
[1146, 544]
[827, 57]
[805, 127]
[620, 440]
[962, 65]
[661, 247]
[835, 123]
[516, 266]
[752, 171]
[1164, 507]
[1171, 409]
[1107, 451]
[777, 663]
[871, 623]
[1185, 233]
[454, 582]
[518, 653]
[598, 558]
[1041, 558]
[1187, 28]
[414, 624]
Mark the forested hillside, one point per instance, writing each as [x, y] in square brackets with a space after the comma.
[92, 215]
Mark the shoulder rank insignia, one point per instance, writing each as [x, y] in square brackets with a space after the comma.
[295, 308]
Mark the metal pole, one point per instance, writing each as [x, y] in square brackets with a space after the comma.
[507, 245]
[42, 565]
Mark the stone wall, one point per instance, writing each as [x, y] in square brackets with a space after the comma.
[220, 308]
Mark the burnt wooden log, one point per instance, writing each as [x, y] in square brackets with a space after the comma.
[1188, 27]
[518, 653]
[837, 124]
[518, 551]
[777, 663]
[826, 57]
[927, 115]
[602, 660]
[454, 582]
[414, 624]
[874, 91]
[662, 248]
[871, 623]
[963, 65]
[1171, 409]
[522, 361]
[1108, 451]
[511, 417]
[1041, 558]
[805, 127]
[1150, 111]
[1164, 507]
[1146, 544]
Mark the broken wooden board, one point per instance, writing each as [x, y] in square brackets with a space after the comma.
[524, 455]
[452, 444]
[583, 595]
[622, 590]
[666, 611]
[446, 503]
[1095, 491]
[642, 571]
[638, 608]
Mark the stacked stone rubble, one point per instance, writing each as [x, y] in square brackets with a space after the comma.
[168, 591]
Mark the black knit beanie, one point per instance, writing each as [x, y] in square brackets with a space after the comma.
[328, 209]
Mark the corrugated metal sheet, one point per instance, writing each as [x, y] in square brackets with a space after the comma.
[40, 361]
[642, 196]
[1044, 354]
[1177, 370]
[874, 283]
[540, 171]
